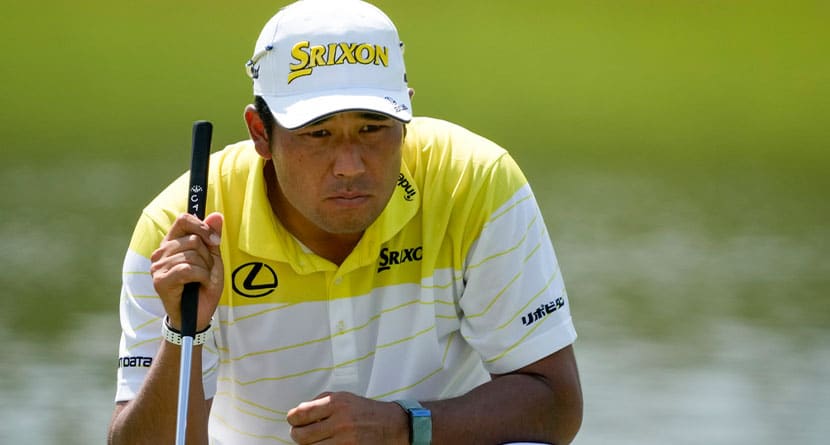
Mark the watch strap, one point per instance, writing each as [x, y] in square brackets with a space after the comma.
[420, 422]
[175, 336]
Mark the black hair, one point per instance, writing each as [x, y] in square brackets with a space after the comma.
[265, 115]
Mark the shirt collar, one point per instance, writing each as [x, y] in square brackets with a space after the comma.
[262, 235]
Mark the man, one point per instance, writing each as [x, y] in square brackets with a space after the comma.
[365, 276]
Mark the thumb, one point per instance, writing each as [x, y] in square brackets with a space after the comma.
[215, 221]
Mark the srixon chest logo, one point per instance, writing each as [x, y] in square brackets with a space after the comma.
[389, 257]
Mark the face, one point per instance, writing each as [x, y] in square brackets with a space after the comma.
[337, 173]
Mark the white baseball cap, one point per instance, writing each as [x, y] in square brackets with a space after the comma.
[318, 57]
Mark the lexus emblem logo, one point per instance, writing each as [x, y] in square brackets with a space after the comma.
[254, 280]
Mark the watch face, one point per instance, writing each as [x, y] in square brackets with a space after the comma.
[420, 412]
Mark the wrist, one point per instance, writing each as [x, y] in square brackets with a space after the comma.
[176, 324]
[399, 427]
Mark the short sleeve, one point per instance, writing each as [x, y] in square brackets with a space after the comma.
[516, 309]
[141, 315]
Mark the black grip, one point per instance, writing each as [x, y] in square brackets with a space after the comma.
[197, 194]
[190, 309]
[196, 202]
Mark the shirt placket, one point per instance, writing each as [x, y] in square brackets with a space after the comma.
[344, 339]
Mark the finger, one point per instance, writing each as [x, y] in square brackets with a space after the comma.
[171, 269]
[310, 412]
[169, 277]
[188, 250]
[328, 394]
[309, 421]
[190, 243]
[187, 224]
[189, 266]
[313, 433]
[215, 221]
[208, 250]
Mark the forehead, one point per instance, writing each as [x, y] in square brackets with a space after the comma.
[346, 116]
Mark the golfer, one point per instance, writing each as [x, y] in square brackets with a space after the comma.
[366, 276]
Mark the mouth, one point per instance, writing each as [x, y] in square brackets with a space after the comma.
[348, 194]
[349, 198]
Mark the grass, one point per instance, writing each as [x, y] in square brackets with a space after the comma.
[706, 116]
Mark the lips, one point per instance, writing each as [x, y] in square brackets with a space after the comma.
[349, 199]
[349, 195]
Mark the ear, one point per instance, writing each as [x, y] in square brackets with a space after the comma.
[411, 93]
[258, 132]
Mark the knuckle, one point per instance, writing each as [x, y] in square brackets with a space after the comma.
[345, 429]
[159, 253]
[186, 269]
[184, 218]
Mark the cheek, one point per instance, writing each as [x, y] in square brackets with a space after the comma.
[388, 171]
[293, 176]
[394, 168]
[393, 162]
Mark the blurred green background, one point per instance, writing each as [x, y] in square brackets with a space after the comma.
[680, 151]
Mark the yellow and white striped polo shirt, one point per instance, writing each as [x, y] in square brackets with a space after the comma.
[456, 279]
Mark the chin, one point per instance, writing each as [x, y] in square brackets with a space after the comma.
[346, 224]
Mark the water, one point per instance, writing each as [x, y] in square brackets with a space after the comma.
[701, 302]
[700, 299]
[748, 386]
[61, 390]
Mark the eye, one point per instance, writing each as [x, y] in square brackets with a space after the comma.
[371, 128]
[317, 133]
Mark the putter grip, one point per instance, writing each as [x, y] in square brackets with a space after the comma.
[196, 202]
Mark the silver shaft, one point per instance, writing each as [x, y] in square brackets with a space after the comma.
[184, 388]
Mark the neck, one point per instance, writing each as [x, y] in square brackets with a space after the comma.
[331, 246]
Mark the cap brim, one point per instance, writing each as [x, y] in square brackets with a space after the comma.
[296, 111]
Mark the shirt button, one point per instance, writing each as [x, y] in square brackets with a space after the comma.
[341, 326]
[338, 280]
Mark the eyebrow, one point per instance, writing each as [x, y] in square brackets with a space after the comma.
[368, 115]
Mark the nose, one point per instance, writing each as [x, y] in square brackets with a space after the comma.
[348, 159]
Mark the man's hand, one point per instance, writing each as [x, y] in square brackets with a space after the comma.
[190, 254]
[344, 418]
